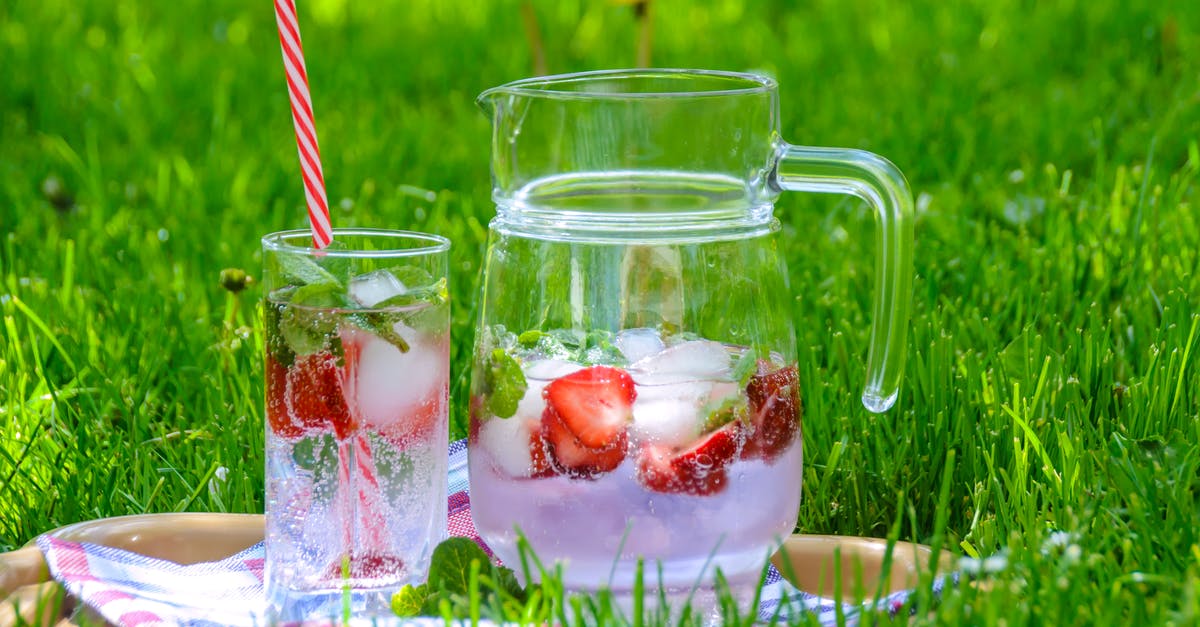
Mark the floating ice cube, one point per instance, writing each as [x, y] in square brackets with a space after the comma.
[538, 375]
[375, 287]
[507, 440]
[637, 344]
[670, 413]
[696, 360]
[531, 405]
[392, 386]
[550, 369]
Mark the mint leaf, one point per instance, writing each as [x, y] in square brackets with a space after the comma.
[277, 346]
[593, 347]
[745, 367]
[571, 339]
[505, 580]
[410, 601]
[304, 334]
[302, 270]
[317, 455]
[529, 339]
[382, 324]
[412, 276]
[305, 322]
[320, 296]
[546, 346]
[428, 319]
[730, 408]
[450, 565]
[337, 266]
[504, 384]
[598, 348]
[425, 308]
[435, 293]
[447, 592]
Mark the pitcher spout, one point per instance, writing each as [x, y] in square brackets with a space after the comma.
[487, 101]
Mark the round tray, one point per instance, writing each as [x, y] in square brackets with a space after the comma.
[827, 565]
[816, 564]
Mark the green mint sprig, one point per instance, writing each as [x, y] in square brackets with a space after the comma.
[504, 383]
[453, 564]
[588, 349]
[746, 366]
[727, 410]
[303, 321]
[301, 270]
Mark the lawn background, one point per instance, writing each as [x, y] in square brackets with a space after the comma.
[1052, 383]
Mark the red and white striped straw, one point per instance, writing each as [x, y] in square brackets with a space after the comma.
[302, 118]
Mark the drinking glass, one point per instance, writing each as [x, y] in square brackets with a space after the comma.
[357, 378]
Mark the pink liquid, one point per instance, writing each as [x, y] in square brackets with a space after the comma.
[598, 527]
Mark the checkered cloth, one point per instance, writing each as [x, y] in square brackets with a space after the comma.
[130, 589]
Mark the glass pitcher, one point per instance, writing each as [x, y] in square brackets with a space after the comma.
[635, 394]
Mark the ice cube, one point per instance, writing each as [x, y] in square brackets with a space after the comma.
[538, 375]
[507, 440]
[670, 413]
[375, 287]
[531, 405]
[695, 360]
[550, 369]
[637, 344]
[392, 386]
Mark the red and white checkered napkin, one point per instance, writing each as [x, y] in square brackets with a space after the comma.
[131, 589]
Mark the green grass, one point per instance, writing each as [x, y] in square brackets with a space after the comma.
[1052, 383]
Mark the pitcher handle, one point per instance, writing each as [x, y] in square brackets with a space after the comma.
[873, 179]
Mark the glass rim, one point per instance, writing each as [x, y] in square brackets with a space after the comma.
[279, 242]
[742, 83]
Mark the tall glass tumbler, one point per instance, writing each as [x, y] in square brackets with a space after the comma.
[357, 381]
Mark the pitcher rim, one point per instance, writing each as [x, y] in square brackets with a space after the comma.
[542, 86]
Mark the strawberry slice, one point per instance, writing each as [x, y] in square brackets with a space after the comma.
[775, 411]
[585, 420]
[539, 463]
[475, 417]
[367, 564]
[567, 455]
[419, 424]
[277, 412]
[594, 405]
[699, 470]
[314, 396]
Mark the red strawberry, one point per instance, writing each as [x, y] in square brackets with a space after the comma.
[539, 463]
[418, 416]
[565, 452]
[419, 424]
[585, 421]
[277, 411]
[367, 564]
[699, 470]
[314, 395]
[775, 411]
[475, 417]
[594, 404]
